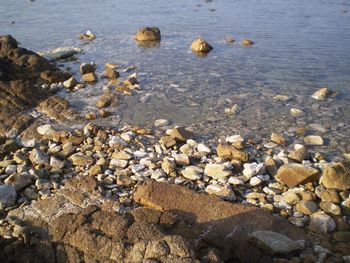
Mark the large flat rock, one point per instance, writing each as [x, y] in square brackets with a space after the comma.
[221, 224]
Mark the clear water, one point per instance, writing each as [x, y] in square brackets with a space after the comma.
[301, 45]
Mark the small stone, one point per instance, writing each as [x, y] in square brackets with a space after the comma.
[322, 94]
[45, 130]
[137, 167]
[330, 195]
[111, 73]
[161, 123]
[313, 140]
[291, 198]
[56, 163]
[116, 163]
[148, 34]
[299, 154]
[192, 172]
[321, 223]
[89, 77]
[87, 36]
[80, 159]
[336, 176]
[70, 83]
[86, 68]
[294, 174]
[11, 169]
[111, 65]
[330, 208]
[38, 157]
[8, 196]
[95, 170]
[217, 171]
[19, 181]
[180, 134]
[255, 181]
[203, 148]
[229, 40]
[228, 151]
[278, 138]
[182, 159]
[167, 142]
[247, 42]
[200, 45]
[224, 192]
[275, 243]
[105, 100]
[235, 181]
[168, 166]
[281, 97]
[104, 113]
[252, 169]
[306, 207]
[122, 155]
[297, 113]
[90, 116]
[342, 236]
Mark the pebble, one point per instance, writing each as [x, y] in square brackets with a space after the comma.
[217, 171]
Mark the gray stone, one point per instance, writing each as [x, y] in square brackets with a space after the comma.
[38, 157]
[8, 196]
[19, 181]
[321, 223]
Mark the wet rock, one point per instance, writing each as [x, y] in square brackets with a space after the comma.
[336, 176]
[229, 40]
[217, 171]
[105, 100]
[87, 36]
[307, 207]
[8, 195]
[313, 140]
[104, 113]
[230, 152]
[322, 94]
[200, 45]
[60, 53]
[278, 138]
[161, 123]
[321, 223]
[19, 181]
[111, 73]
[89, 77]
[297, 113]
[86, 68]
[275, 243]
[70, 83]
[57, 108]
[180, 134]
[148, 34]
[90, 116]
[247, 42]
[295, 174]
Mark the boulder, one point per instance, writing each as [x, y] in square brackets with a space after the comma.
[294, 174]
[148, 34]
[336, 176]
[200, 45]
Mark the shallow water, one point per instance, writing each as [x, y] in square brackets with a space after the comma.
[300, 46]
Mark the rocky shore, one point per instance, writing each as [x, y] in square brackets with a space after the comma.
[132, 194]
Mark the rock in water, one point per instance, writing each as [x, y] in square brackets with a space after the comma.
[313, 140]
[148, 34]
[247, 42]
[87, 36]
[60, 53]
[200, 45]
[275, 243]
[336, 176]
[322, 94]
[294, 174]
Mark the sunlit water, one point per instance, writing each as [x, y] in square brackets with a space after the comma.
[300, 46]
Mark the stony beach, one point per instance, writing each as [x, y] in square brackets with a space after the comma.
[75, 189]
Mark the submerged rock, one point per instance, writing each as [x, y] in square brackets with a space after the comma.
[200, 45]
[313, 140]
[322, 94]
[87, 36]
[247, 42]
[60, 53]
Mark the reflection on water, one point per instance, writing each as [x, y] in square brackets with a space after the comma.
[299, 46]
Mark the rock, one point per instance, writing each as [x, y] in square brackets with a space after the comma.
[148, 34]
[294, 174]
[105, 100]
[168, 166]
[200, 45]
[278, 138]
[330, 208]
[330, 195]
[342, 236]
[38, 157]
[247, 42]
[321, 223]
[220, 221]
[225, 191]
[271, 167]
[297, 113]
[299, 154]
[104, 113]
[322, 94]
[313, 140]
[60, 53]
[19, 181]
[161, 123]
[192, 172]
[122, 155]
[275, 243]
[8, 196]
[70, 83]
[86, 68]
[252, 169]
[182, 159]
[307, 207]
[89, 77]
[95, 170]
[87, 36]
[203, 148]
[57, 163]
[45, 130]
[336, 176]
[80, 159]
[57, 108]
[217, 171]
[167, 142]
[111, 73]
[291, 198]
[116, 163]
[229, 40]
[90, 116]
[255, 181]
[230, 152]
[180, 134]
